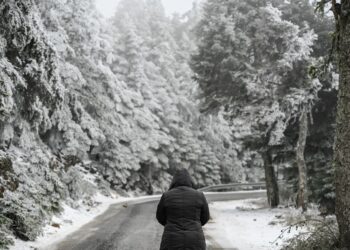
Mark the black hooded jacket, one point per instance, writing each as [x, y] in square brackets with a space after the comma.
[183, 211]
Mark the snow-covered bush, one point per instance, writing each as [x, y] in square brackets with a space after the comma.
[321, 235]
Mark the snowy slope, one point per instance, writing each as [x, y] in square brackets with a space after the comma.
[245, 225]
[71, 220]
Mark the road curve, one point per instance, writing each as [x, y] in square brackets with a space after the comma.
[132, 225]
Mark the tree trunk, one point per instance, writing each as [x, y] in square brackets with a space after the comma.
[342, 143]
[270, 176]
[146, 176]
[302, 192]
[271, 180]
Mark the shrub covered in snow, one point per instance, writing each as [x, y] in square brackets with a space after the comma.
[321, 235]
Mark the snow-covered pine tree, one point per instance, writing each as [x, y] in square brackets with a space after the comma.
[31, 96]
[243, 69]
[167, 76]
[318, 148]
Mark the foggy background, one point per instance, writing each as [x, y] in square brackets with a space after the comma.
[107, 7]
[106, 99]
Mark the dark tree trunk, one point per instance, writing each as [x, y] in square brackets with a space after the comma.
[270, 176]
[146, 177]
[302, 192]
[342, 143]
[271, 180]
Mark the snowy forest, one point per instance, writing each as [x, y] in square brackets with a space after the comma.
[234, 91]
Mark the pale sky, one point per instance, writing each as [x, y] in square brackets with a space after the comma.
[107, 7]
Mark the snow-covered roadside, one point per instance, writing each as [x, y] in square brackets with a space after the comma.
[71, 220]
[246, 225]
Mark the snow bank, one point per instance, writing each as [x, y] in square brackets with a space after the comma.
[71, 220]
[245, 225]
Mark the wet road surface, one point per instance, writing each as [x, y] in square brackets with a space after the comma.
[132, 226]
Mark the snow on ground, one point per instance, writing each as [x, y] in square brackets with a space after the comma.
[246, 225]
[240, 225]
[71, 220]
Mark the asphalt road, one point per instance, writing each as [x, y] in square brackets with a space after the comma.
[132, 226]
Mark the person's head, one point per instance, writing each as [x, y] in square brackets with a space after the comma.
[181, 178]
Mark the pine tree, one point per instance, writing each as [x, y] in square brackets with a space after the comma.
[244, 70]
[318, 149]
[31, 94]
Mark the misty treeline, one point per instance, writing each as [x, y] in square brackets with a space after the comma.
[234, 91]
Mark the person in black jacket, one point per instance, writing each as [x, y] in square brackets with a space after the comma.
[183, 211]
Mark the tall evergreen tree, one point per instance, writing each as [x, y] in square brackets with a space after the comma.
[244, 70]
[31, 97]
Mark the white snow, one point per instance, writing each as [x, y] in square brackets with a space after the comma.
[245, 225]
[71, 220]
[234, 225]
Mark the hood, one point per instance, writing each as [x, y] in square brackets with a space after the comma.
[181, 178]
